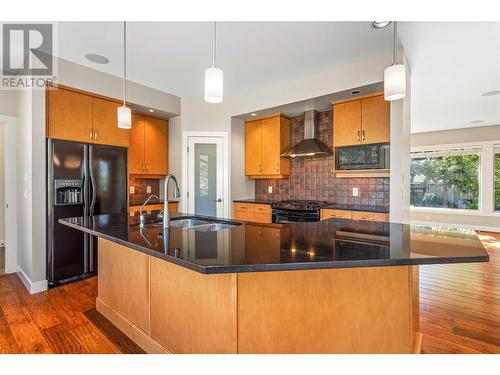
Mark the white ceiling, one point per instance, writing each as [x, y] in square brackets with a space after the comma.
[452, 63]
[172, 56]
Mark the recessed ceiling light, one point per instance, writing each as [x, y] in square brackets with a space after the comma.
[355, 92]
[476, 121]
[253, 114]
[95, 58]
[491, 93]
[151, 110]
[380, 24]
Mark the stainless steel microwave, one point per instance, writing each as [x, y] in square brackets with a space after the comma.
[374, 156]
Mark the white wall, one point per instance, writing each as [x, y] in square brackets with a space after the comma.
[8, 102]
[2, 183]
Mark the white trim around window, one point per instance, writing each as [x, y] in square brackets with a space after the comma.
[486, 151]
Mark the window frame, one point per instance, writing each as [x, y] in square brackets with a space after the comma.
[486, 176]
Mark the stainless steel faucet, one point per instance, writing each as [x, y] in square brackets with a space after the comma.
[142, 219]
[177, 194]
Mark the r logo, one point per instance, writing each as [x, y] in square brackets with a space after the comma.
[27, 49]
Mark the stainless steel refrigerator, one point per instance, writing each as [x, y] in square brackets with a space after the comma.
[82, 180]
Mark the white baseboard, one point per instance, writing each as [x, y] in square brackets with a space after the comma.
[33, 287]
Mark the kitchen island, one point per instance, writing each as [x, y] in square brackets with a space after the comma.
[335, 286]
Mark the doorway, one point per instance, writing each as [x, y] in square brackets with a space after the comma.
[207, 166]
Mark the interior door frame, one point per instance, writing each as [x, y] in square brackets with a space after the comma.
[186, 135]
[10, 188]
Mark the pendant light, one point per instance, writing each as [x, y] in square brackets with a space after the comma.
[214, 77]
[124, 113]
[394, 75]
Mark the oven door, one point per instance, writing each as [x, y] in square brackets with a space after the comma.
[362, 157]
[287, 216]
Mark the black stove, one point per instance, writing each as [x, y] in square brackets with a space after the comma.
[297, 210]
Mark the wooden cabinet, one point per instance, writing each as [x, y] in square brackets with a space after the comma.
[104, 123]
[148, 151]
[361, 121]
[370, 216]
[335, 214]
[69, 115]
[172, 207]
[265, 140]
[254, 212]
[328, 213]
[77, 116]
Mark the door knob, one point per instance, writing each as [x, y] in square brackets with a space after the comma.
[218, 200]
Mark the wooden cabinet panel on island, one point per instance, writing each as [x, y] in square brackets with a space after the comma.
[148, 151]
[361, 121]
[265, 140]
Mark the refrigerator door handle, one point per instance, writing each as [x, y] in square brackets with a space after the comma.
[92, 182]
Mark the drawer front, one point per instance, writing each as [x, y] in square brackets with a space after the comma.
[335, 214]
[370, 216]
[253, 207]
[253, 216]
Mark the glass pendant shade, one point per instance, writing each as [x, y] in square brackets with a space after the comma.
[395, 82]
[124, 117]
[214, 79]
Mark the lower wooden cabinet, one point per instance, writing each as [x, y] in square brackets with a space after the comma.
[172, 207]
[328, 213]
[254, 212]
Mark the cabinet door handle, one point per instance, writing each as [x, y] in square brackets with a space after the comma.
[358, 134]
[260, 168]
[96, 134]
[363, 135]
[91, 133]
[277, 167]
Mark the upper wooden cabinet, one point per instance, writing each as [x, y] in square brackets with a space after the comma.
[361, 121]
[148, 151]
[265, 140]
[69, 115]
[81, 117]
[104, 123]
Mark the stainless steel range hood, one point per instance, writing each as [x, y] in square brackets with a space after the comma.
[310, 146]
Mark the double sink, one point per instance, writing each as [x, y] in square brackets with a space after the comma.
[200, 224]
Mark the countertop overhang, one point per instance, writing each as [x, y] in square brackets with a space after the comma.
[255, 247]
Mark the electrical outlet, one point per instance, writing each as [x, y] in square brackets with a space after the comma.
[355, 192]
[270, 189]
[132, 190]
[148, 189]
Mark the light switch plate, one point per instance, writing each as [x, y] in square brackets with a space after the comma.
[270, 189]
[132, 190]
[148, 189]
[355, 192]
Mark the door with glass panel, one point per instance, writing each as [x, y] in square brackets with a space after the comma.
[206, 176]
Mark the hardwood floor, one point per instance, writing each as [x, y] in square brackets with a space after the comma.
[460, 304]
[459, 313]
[2, 260]
[62, 320]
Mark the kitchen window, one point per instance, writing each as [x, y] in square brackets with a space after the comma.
[447, 179]
[496, 161]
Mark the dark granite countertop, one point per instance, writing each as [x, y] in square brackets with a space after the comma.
[380, 209]
[152, 201]
[252, 247]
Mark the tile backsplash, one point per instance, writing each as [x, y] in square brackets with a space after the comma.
[140, 188]
[312, 179]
